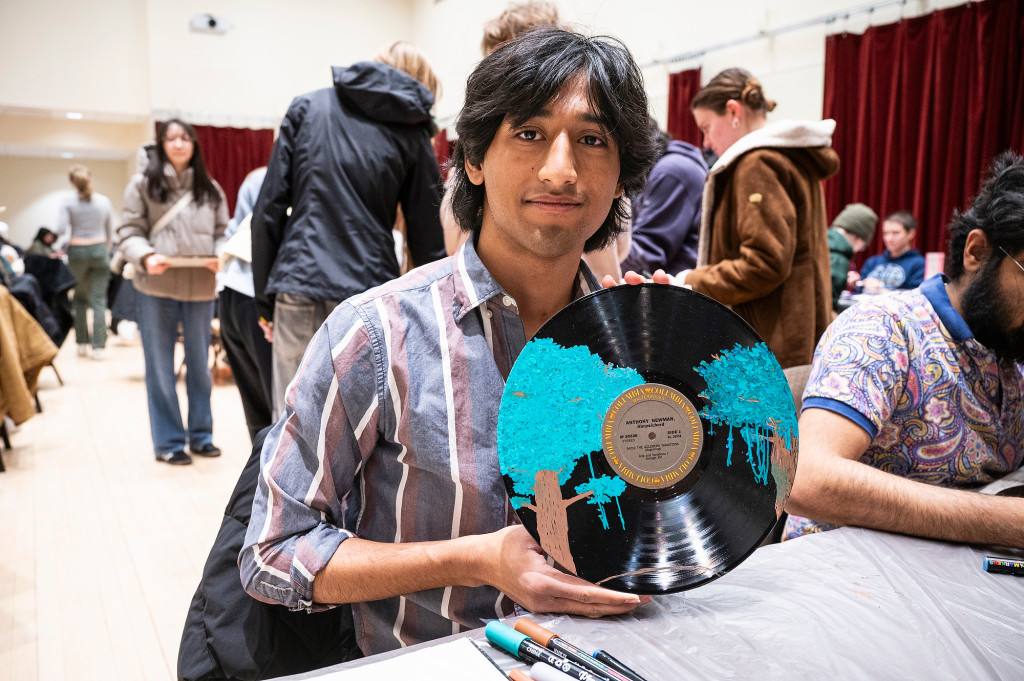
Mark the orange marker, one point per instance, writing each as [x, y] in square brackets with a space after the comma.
[553, 641]
[517, 675]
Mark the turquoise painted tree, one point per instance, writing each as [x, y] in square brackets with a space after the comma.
[748, 391]
[551, 414]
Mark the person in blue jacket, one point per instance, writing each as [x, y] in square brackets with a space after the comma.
[666, 216]
[900, 266]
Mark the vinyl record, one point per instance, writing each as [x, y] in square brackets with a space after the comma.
[647, 438]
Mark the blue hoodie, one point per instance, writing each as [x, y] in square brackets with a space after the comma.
[904, 272]
[666, 216]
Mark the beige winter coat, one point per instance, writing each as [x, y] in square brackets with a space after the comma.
[763, 244]
[196, 230]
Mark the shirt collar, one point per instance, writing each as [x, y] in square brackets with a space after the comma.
[474, 285]
[934, 289]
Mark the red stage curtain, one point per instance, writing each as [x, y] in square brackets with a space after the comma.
[922, 107]
[232, 153]
[682, 88]
[443, 151]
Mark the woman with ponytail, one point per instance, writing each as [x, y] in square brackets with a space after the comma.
[763, 247]
[174, 208]
[87, 216]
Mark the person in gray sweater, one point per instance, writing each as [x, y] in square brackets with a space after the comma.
[85, 222]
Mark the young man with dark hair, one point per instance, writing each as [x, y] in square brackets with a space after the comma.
[380, 485]
[917, 397]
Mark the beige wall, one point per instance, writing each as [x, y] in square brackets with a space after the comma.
[274, 51]
[32, 189]
[73, 55]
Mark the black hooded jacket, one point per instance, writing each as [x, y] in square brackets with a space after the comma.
[345, 158]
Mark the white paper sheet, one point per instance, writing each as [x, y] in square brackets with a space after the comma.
[459, 660]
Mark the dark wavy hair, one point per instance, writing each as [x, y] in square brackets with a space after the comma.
[520, 78]
[203, 188]
[998, 211]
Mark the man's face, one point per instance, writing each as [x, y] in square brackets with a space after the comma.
[550, 182]
[993, 307]
[896, 237]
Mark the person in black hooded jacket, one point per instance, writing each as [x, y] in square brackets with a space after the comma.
[346, 157]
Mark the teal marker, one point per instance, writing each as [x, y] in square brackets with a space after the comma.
[522, 647]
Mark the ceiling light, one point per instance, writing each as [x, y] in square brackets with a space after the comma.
[74, 115]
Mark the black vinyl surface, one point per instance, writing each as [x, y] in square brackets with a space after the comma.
[694, 531]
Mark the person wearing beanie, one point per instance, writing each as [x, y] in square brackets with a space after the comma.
[850, 233]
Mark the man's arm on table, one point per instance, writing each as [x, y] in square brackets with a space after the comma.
[509, 560]
[833, 486]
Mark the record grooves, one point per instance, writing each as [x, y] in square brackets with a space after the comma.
[647, 438]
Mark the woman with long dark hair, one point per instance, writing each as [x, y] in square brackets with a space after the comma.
[87, 215]
[175, 208]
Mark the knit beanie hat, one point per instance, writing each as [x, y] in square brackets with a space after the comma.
[858, 220]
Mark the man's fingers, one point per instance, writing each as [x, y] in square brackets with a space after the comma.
[608, 281]
[660, 277]
[633, 278]
[596, 608]
[564, 590]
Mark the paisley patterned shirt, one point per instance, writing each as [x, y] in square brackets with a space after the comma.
[940, 408]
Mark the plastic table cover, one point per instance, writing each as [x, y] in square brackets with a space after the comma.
[846, 604]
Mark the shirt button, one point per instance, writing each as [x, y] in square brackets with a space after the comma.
[508, 301]
[488, 313]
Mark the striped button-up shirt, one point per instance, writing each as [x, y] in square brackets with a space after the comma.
[390, 435]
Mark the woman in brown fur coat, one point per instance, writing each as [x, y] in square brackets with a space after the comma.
[763, 245]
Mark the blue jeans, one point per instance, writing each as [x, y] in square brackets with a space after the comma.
[158, 328]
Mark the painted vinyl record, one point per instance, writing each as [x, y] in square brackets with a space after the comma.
[647, 438]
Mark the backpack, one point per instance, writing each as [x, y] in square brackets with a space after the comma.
[230, 635]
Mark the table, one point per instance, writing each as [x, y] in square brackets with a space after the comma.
[846, 604]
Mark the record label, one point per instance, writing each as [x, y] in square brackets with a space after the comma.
[652, 436]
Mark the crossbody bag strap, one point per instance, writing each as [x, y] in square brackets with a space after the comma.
[166, 218]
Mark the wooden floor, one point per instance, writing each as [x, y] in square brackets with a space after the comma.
[101, 547]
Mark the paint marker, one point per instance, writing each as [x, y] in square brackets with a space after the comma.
[1004, 566]
[602, 656]
[543, 672]
[520, 645]
[517, 675]
[550, 639]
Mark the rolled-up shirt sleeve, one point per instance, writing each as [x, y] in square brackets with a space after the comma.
[309, 465]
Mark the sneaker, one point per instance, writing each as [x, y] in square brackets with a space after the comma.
[178, 458]
[208, 450]
[83, 349]
[97, 353]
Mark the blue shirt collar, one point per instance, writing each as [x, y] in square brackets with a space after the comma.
[934, 289]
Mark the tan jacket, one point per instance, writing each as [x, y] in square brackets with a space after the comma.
[196, 230]
[25, 350]
[763, 245]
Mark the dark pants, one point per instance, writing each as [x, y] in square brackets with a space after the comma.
[249, 355]
[92, 271]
